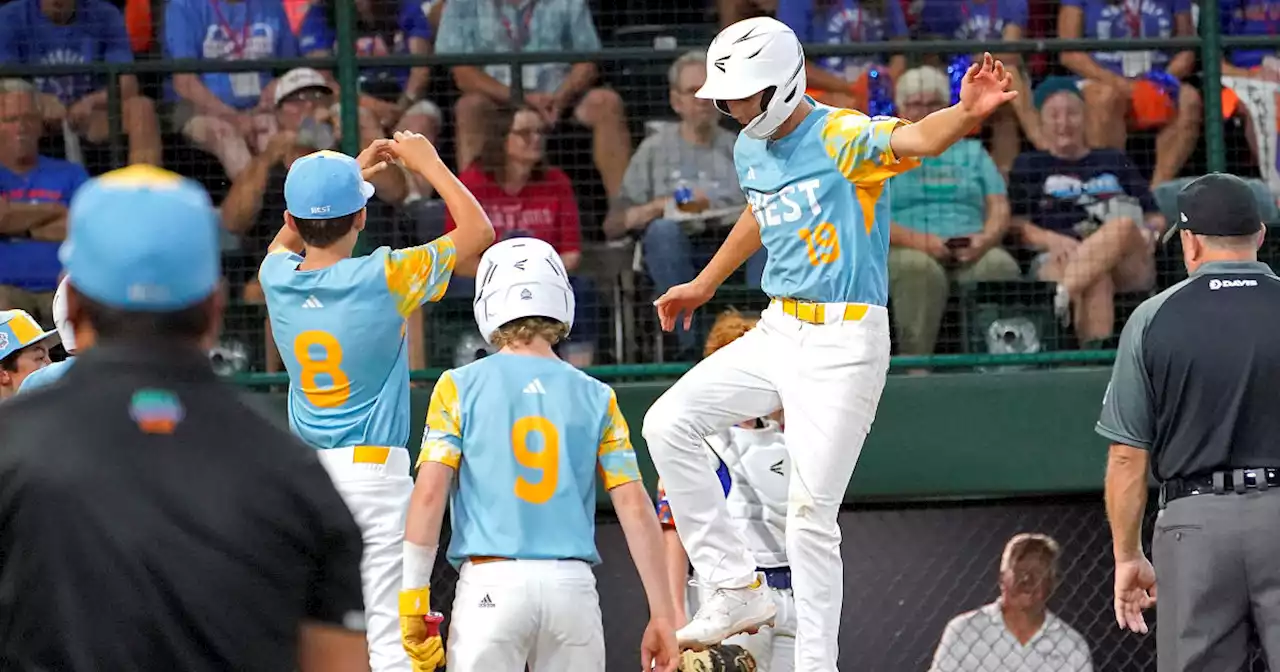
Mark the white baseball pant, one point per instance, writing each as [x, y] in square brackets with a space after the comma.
[829, 378]
[378, 495]
[509, 613]
[774, 649]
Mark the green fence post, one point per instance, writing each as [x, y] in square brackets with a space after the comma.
[115, 118]
[1211, 56]
[348, 81]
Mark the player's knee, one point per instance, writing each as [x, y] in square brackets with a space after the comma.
[666, 424]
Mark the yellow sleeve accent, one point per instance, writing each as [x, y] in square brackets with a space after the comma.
[415, 602]
[417, 275]
[860, 146]
[617, 457]
[442, 441]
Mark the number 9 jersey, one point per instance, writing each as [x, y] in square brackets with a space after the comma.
[821, 197]
[341, 332]
[527, 436]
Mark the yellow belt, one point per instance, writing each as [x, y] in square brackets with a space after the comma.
[816, 313]
[370, 454]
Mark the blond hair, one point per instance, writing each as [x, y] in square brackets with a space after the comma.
[1025, 544]
[526, 329]
[729, 327]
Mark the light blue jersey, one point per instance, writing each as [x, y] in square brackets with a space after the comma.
[526, 436]
[341, 332]
[822, 201]
[46, 376]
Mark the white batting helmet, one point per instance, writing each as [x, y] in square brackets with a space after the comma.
[521, 277]
[760, 54]
[66, 331]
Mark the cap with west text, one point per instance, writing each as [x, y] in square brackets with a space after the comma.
[142, 239]
[1217, 204]
[325, 185]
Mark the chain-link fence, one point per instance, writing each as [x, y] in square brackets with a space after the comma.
[575, 121]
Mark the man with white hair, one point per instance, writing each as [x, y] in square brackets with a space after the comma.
[67, 333]
[1017, 631]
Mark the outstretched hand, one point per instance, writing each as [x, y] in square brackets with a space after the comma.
[985, 87]
[681, 300]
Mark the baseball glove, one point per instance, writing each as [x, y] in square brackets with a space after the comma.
[721, 658]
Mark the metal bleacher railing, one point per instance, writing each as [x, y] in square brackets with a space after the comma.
[628, 354]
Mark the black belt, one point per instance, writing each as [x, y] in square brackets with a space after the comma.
[1236, 481]
[777, 577]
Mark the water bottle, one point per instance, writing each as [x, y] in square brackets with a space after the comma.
[683, 194]
[1165, 81]
[879, 94]
[955, 72]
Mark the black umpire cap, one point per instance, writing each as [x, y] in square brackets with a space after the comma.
[1217, 204]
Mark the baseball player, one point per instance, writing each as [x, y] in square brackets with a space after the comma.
[524, 434]
[340, 326]
[24, 349]
[753, 466]
[815, 180]
[66, 333]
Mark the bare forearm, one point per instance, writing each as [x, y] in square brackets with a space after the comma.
[52, 231]
[934, 134]
[677, 568]
[471, 79]
[194, 91]
[1083, 65]
[128, 86]
[1126, 499]
[742, 242]
[824, 80]
[243, 203]
[474, 232]
[901, 236]
[644, 541]
[22, 218]
[1182, 65]
[580, 78]
[1231, 70]
[425, 516]
[997, 223]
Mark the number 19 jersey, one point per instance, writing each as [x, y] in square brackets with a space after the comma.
[527, 436]
[821, 197]
[341, 332]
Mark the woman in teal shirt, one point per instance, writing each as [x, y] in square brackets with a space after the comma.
[949, 217]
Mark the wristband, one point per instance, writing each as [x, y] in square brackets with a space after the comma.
[415, 602]
[418, 562]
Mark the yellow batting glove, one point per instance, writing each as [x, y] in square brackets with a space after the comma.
[420, 630]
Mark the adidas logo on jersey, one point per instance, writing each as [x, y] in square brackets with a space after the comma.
[535, 387]
[312, 302]
[486, 602]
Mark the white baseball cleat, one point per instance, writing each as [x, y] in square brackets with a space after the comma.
[728, 612]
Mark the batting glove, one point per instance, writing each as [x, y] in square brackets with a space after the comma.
[720, 658]
[420, 630]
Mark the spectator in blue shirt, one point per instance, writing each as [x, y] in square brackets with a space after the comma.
[34, 194]
[844, 81]
[230, 115]
[985, 20]
[1089, 214]
[391, 99]
[1118, 86]
[64, 32]
[950, 217]
[556, 90]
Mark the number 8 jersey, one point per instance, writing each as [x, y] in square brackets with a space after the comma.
[341, 333]
[821, 197]
[527, 436]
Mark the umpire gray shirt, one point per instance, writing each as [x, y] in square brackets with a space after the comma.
[1197, 377]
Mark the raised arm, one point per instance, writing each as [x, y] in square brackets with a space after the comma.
[474, 232]
[985, 87]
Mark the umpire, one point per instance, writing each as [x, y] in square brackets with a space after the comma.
[1195, 393]
[149, 520]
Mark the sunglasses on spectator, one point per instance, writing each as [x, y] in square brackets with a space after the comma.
[307, 96]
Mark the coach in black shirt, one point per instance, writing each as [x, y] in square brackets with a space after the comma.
[149, 520]
[1195, 394]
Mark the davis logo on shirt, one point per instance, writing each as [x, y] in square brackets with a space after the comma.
[221, 45]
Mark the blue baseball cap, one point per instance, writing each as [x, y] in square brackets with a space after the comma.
[142, 239]
[19, 330]
[325, 185]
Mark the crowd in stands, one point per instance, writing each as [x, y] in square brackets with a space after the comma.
[1059, 191]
